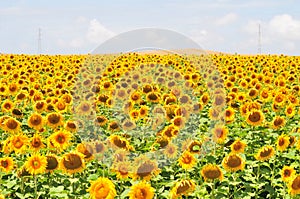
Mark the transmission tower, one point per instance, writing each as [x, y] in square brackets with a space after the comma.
[259, 39]
[40, 41]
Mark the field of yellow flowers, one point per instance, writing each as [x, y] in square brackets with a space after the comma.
[145, 126]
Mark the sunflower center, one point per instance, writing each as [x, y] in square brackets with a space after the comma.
[234, 161]
[18, 143]
[61, 139]
[182, 188]
[102, 191]
[278, 122]
[254, 117]
[287, 173]
[296, 183]
[52, 163]
[4, 164]
[281, 142]
[36, 164]
[266, 153]
[36, 143]
[141, 194]
[36, 120]
[145, 169]
[187, 159]
[72, 162]
[219, 132]
[212, 174]
[54, 119]
[237, 146]
[11, 124]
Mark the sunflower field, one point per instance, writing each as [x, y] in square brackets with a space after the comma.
[149, 125]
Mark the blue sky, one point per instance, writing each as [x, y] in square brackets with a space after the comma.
[73, 27]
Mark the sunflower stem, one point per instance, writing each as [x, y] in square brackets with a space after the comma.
[257, 179]
[213, 190]
[35, 187]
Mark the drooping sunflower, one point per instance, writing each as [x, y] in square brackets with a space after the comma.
[141, 190]
[238, 146]
[54, 120]
[294, 185]
[153, 97]
[283, 142]
[255, 118]
[11, 125]
[36, 142]
[145, 168]
[182, 187]
[287, 172]
[219, 133]
[6, 164]
[72, 162]
[233, 162]
[265, 153]
[85, 149]
[178, 121]
[278, 122]
[187, 160]
[60, 139]
[118, 142]
[123, 169]
[101, 120]
[52, 163]
[102, 188]
[36, 164]
[35, 121]
[211, 172]
[128, 125]
[71, 126]
[113, 126]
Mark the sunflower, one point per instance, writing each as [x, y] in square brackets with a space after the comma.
[36, 164]
[85, 149]
[71, 126]
[233, 162]
[54, 120]
[60, 139]
[211, 172]
[292, 140]
[229, 115]
[287, 172]
[171, 150]
[194, 147]
[141, 190]
[134, 114]
[6, 164]
[101, 120]
[113, 126]
[17, 113]
[7, 106]
[135, 97]
[99, 147]
[40, 106]
[294, 185]
[265, 153]
[143, 111]
[278, 122]
[283, 141]
[290, 111]
[35, 121]
[238, 146]
[19, 143]
[84, 108]
[255, 118]
[178, 121]
[153, 97]
[279, 99]
[214, 114]
[72, 162]
[11, 125]
[219, 133]
[118, 142]
[182, 187]
[187, 160]
[128, 125]
[102, 188]
[52, 163]
[36, 142]
[122, 169]
[144, 168]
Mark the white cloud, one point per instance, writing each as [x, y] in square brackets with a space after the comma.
[227, 19]
[98, 33]
[285, 26]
